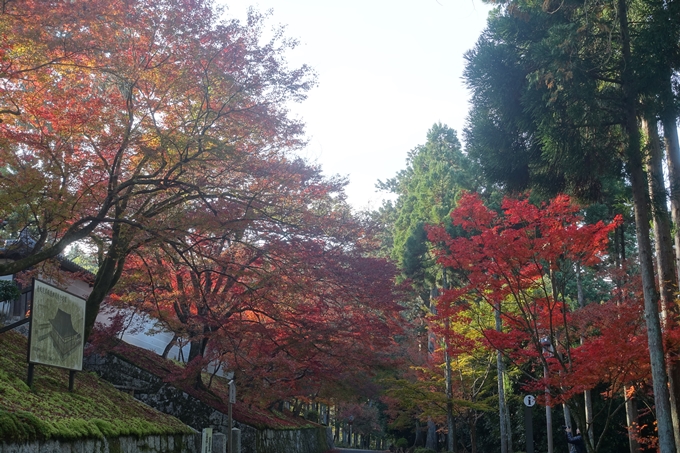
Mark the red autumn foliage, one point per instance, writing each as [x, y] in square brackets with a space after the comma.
[126, 121]
[287, 308]
[511, 261]
[160, 131]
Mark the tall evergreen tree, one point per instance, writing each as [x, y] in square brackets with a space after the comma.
[427, 191]
[581, 76]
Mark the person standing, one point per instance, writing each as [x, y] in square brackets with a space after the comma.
[576, 440]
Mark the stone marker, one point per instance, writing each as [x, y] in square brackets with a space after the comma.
[219, 444]
[236, 440]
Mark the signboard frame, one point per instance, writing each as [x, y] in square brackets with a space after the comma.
[57, 327]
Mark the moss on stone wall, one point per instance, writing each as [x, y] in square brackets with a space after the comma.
[21, 426]
[50, 411]
[187, 443]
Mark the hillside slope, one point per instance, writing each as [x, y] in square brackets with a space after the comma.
[50, 411]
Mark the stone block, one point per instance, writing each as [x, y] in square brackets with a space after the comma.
[236, 440]
[219, 443]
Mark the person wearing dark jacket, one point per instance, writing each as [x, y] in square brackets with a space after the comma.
[576, 440]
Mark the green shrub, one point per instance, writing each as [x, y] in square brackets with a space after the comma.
[312, 416]
[8, 290]
[401, 443]
[423, 450]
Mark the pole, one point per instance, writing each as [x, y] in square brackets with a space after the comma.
[29, 380]
[548, 413]
[505, 426]
[230, 441]
[548, 351]
[529, 428]
[71, 380]
[232, 401]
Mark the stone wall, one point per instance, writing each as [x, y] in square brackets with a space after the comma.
[297, 440]
[151, 390]
[182, 443]
[162, 396]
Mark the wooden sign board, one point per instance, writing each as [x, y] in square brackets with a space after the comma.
[57, 327]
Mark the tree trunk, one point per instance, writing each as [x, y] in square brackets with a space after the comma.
[567, 422]
[640, 202]
[631, 420]
[196, 351]
[587, 396]
[665, 259]
[297, 407]
[548, 413]
[631, 409]
[506, 445]
[107, 276]
[169, 346]
[450, 422]
[670, 133]
[431, 441]
[668, 283]
[654, 336]
[418, 441]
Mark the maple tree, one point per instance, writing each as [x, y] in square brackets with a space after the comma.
[158, 134]
[516, 262]
[561, 104]
[288, 301]
[124, 119]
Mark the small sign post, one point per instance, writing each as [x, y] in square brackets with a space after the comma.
[232, 400]
[529, 402]
[232, 392]
[206, 440]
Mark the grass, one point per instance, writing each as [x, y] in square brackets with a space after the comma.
[49, 411]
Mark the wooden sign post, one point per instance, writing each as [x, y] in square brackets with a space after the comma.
[232, 401]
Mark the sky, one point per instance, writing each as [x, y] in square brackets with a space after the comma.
[387, 71]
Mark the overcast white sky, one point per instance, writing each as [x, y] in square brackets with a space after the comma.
[387, 71]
